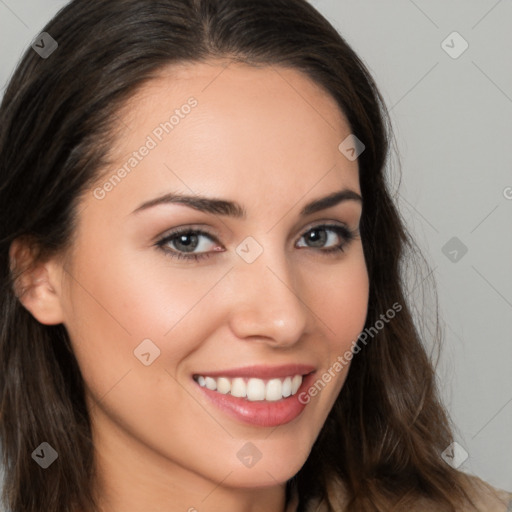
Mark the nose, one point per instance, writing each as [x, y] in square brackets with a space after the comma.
[265, 306]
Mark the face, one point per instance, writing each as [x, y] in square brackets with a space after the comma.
[247, 284]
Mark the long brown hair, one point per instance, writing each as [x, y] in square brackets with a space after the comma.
[383, 438]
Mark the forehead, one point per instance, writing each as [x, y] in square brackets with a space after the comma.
[221, 127]
[227, 83]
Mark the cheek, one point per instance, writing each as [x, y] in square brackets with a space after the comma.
[111, 309]
[341, 300]
[132, 299]
[118, 303]
[341, 305]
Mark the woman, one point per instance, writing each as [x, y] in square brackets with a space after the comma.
[196, 230]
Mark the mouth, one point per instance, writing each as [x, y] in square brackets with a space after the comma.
[259, 395]
[253, 389]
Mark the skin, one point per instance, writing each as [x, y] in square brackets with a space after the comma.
[267, 138]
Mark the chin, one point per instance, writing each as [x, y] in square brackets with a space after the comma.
[264, 475]
[271, 464]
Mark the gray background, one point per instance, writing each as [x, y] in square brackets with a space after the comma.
[452, 119]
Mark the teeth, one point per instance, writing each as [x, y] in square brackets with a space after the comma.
[210, 383]
[238, 387]
[287, 387]
[274, 390]
[253, 389]
[223, 385]
[296, 382]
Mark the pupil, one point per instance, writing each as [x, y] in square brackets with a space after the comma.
[315, 237]
[192, 240]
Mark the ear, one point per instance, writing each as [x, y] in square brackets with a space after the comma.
[37, 284]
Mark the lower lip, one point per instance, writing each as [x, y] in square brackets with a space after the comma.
[260, 413]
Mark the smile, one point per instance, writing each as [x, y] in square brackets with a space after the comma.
[263, 396]
[253, 389]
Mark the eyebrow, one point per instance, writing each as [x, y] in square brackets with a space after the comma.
[234, 209]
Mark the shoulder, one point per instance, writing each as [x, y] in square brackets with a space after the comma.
[485, 497]
[488, 498]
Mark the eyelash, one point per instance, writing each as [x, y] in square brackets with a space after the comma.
[343, 232]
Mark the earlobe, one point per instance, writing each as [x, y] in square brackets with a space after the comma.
[36, 283]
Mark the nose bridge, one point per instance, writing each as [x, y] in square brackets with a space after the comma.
[267, 304]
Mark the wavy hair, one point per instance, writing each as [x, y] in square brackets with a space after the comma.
[382, 441]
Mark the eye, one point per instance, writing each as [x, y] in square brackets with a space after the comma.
[319, 237]
[182, 243]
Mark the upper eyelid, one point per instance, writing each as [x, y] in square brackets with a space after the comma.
[186, 229]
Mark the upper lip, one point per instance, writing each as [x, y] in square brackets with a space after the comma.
[262, 371]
